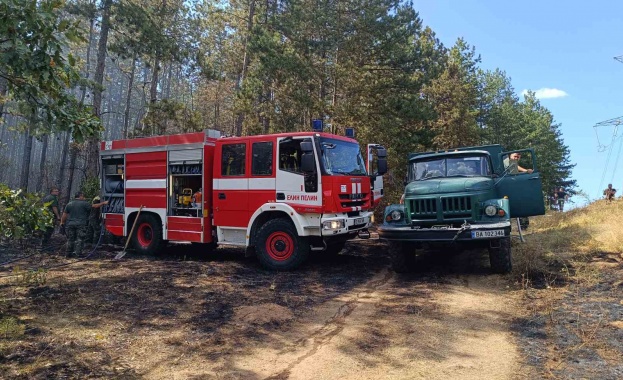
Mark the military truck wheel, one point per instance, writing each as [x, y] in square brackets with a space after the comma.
[402, 256]
[500, 257]
[147, 236]
[279, 247]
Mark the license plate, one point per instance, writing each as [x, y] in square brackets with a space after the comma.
[359, 221]
[487, 234]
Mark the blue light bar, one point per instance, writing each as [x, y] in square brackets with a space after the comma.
[349, 132]
[317, 125]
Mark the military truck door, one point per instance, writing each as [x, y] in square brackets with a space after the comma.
[522, 187]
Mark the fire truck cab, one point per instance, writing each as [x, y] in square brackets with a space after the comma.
[281, 195]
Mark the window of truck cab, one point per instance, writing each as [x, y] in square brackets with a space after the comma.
[233, 159]
[339, 157]
[450, 166]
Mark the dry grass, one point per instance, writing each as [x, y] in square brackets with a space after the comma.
[569, 269]
[559, 245]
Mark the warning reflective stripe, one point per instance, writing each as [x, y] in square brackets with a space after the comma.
[359, 188]
[353, 188]
[146, 184]
[244, 183]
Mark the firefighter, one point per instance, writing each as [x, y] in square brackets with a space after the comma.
[95, 218]
[52, 199]
[76, 216]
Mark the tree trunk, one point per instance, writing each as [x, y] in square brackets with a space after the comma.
[92, 153]
[245, 66]
[4, 87]
[126, 114]
[73, 155]
[42, 171]
[153, 91]
[23, 183]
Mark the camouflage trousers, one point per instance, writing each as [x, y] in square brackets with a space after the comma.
[75, 239]
[47, 234]
[93, 232]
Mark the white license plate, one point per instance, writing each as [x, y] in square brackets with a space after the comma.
[359, 221]
[487, 234]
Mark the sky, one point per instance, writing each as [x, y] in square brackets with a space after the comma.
[564, 51]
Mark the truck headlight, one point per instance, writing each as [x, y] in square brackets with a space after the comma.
[333, 224]
[491, 210]
[396, 215]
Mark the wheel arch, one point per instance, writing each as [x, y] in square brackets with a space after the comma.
[257, 221]
[281, 210]
[133, 215]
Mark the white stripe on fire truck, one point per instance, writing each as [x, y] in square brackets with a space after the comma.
[244, 183]
[356, 208]
[359, 188]
[146, 184]
[353, 188]
[231, 183]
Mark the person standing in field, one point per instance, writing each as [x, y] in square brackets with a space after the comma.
[52, 200]
[561, 196]
[76, 217]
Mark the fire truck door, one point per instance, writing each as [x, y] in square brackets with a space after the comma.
[293, 185]
[376, 166]
[231, 185]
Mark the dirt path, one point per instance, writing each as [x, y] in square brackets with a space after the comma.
[351, 318]
[384, 329]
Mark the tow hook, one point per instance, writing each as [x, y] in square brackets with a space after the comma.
[364, 234]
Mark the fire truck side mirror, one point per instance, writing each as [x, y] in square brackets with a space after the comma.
[307, 158]
[381, 154]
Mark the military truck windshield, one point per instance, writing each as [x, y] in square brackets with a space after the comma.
[459, 166]
[341, 157]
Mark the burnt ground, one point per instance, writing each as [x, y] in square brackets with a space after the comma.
[576, 331]
[189, 315]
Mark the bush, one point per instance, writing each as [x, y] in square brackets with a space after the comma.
[21, 214]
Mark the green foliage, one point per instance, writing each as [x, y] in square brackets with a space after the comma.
[29, 277]
[91, 187]
[36, 68]
[21, 214]
[167, 117]
[11, 328]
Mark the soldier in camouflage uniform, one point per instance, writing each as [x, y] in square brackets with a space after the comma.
[52, 199]
[75, 222]
[95, 217]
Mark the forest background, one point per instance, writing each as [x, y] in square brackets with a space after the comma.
[73, 73]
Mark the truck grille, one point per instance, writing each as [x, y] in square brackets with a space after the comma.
[451, 208]
[424, 208]
[456, 206]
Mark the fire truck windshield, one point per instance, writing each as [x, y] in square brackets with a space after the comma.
[341, 157]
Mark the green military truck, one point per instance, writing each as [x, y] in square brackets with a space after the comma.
[465, 197]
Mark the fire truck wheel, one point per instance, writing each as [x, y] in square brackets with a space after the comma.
[147, 238]
[500, 257]
[279, 247]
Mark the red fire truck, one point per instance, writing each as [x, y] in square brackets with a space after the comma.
[280, 195]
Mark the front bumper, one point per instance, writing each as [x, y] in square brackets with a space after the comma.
[351, 223]
[407, 233]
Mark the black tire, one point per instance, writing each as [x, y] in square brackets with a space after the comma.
[500, 257]
[402, 256]
[147, 235]
[279, 247]
[334, 249]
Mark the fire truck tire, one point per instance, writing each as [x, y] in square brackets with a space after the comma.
[147, 238]
[402, 257]
[500, 257]
[279, 247]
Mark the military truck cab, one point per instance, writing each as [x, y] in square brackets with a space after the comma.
[466, 196]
